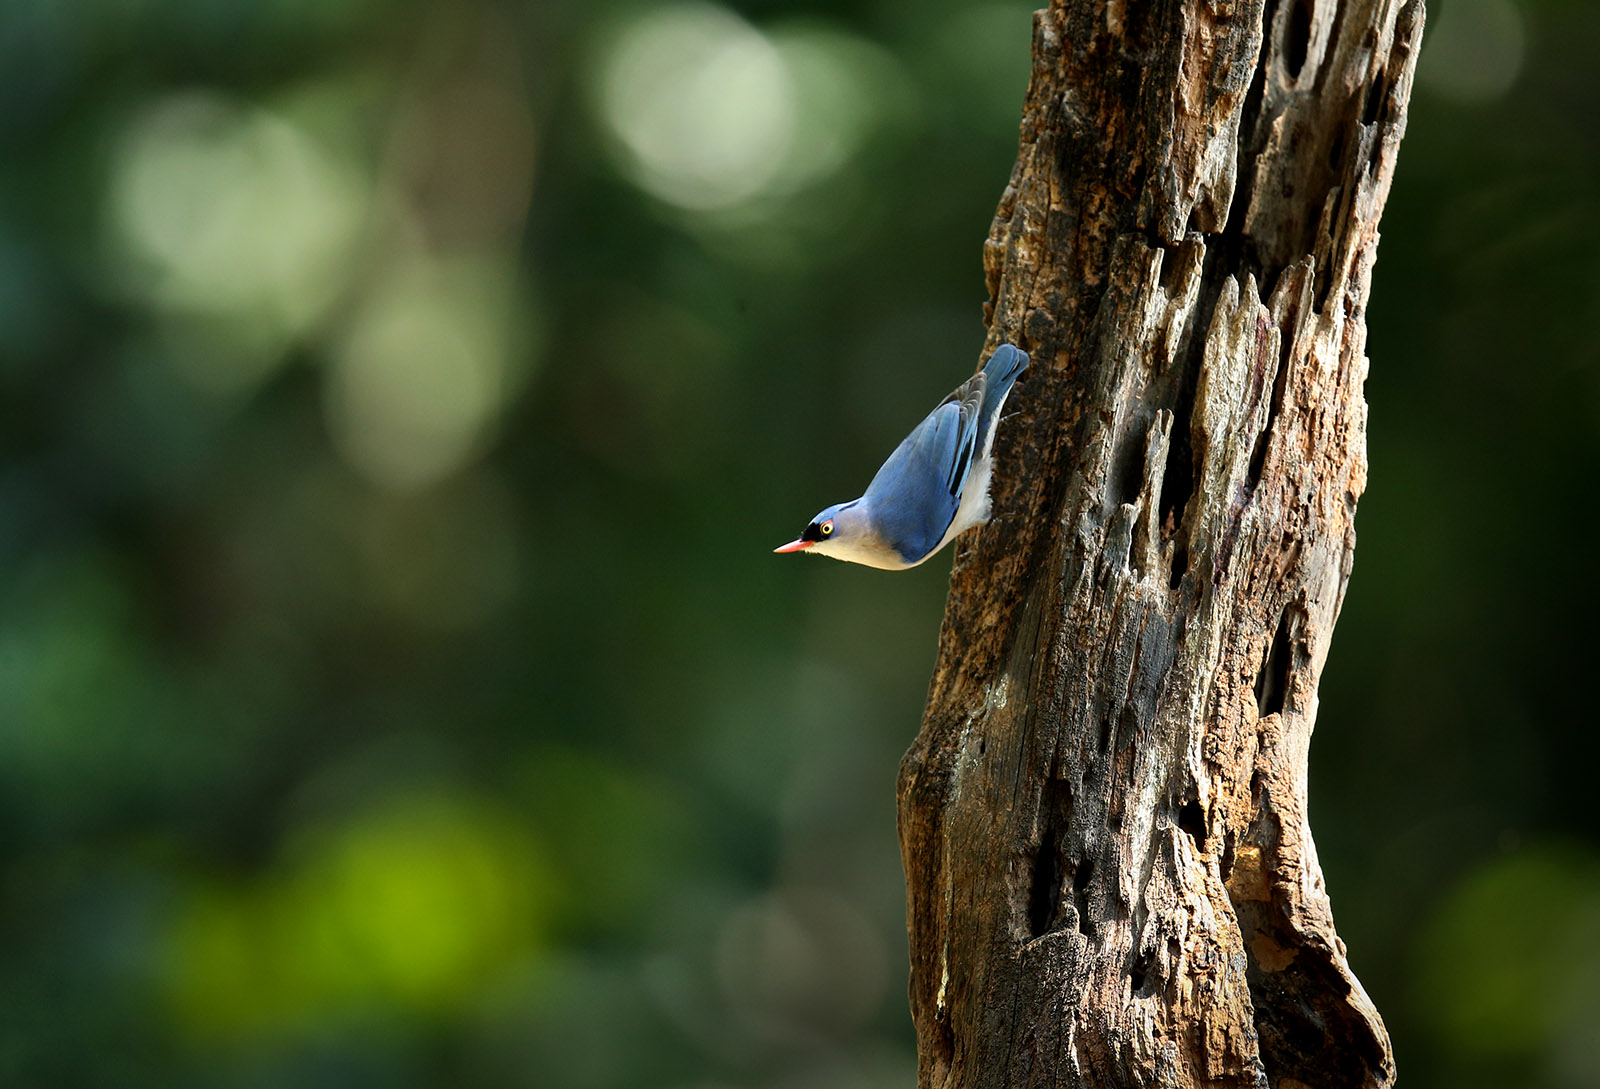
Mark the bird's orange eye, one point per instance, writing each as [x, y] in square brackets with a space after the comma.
[827, 528]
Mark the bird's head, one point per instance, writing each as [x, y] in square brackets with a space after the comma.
[824, 533]
[844, 531]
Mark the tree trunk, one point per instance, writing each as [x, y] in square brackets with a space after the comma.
[1110, 875]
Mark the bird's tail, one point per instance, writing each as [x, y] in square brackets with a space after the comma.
[1002, 369]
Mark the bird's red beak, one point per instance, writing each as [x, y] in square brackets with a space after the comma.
[794, 546]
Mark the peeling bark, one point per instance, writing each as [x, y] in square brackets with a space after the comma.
[1110, 875]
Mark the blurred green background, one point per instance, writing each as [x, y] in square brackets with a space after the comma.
[398, 401]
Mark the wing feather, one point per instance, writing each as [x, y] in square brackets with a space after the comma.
[916, 493]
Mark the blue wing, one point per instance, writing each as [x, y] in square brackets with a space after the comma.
[915, 495]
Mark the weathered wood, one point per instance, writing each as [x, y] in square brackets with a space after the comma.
[1110, 875]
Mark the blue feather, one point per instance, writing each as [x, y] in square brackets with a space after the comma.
[1002, 370]
[915, 495]
[927, 484]
[910, 498]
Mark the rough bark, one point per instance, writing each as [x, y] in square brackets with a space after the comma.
[1110, 876]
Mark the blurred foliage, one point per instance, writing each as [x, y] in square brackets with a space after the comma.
[398, 400]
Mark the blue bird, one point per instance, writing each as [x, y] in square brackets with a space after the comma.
[934, 486]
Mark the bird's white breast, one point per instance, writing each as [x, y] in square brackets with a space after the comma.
[975, 506]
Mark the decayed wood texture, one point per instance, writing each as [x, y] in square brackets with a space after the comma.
[1110, 875]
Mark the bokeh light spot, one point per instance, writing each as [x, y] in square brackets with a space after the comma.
[713, 116]
[1497, 960]
[702, 104]
[409, 906]
[846, 89]
[232, 210]
[423, 371]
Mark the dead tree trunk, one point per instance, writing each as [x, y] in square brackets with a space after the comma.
[1110, 875]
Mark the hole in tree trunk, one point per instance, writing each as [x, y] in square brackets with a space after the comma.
[1192, 819]
[1177, 485]
[1272, 683]
[1177, 477]
[1128, 471]
[1172, 265]
[1045, 888]
[1336, 149]
[1139, 972]
[1377, 94]
[1045, 895]
[1180, 565]
[1297, 38]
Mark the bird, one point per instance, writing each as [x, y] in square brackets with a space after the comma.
[933, 488]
